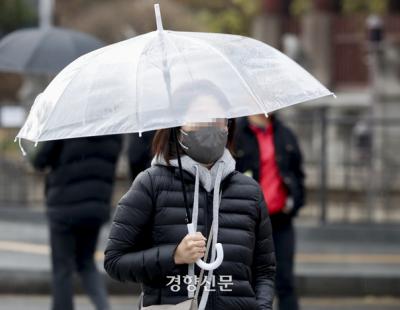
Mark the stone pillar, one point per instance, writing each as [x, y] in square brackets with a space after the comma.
[317, 40]
[267, 26]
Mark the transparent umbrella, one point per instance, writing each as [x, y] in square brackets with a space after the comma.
[137, 85]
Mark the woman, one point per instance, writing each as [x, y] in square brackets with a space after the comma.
[149, 241]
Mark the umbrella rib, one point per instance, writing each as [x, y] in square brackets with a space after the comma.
[138, 120]
[35, 50]
[183, 56]
[75, 49]
[235, 70]
[74, 46]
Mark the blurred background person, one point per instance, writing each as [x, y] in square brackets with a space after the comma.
[268, 151]
[78, 191]
[139, 152]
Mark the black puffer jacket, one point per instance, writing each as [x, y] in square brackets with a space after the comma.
[139, 152]
[81, 177]
[149, 224]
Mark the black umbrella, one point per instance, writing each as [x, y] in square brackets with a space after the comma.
[44, 50]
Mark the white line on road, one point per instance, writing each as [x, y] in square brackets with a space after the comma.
[325, 258]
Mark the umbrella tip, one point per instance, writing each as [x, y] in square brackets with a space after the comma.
[158, 17]
[46, 8]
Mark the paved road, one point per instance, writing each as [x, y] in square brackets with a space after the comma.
[350, 262]
[125, 303]
[25, 245]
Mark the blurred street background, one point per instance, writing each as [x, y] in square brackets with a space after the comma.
[348, 234]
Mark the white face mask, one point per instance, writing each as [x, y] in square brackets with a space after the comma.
[205, 145]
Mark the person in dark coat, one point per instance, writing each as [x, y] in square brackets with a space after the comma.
[139, 153]
[268, 151]
[78, 191]
[149, 241]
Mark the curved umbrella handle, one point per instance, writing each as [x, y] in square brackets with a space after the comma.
[218, 260]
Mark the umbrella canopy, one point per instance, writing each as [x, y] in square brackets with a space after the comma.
[165, 79]
[44, 50]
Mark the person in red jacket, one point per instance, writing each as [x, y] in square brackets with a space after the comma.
[268, 151]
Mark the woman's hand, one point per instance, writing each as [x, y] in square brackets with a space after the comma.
[190, 249]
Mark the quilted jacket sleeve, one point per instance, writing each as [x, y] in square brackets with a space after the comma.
[264, 259]
[45, 154]
[129, 255]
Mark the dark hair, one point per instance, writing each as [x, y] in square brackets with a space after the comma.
[164, 141]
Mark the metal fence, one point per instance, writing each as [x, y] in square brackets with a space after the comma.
[352, 167]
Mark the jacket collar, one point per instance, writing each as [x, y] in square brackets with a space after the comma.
[245, 125]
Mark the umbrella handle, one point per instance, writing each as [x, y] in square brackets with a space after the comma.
[218, 260]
